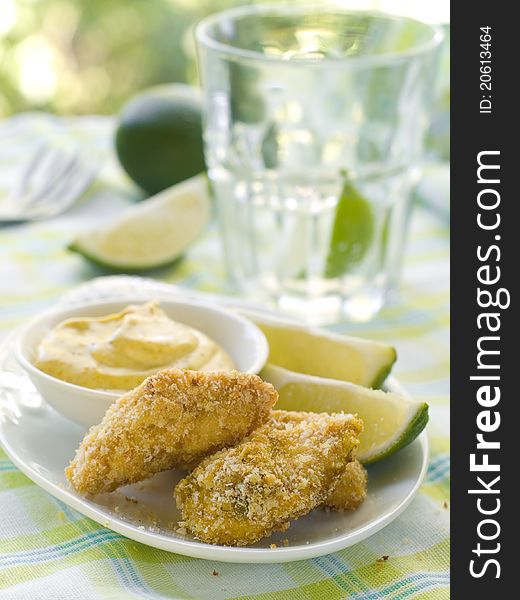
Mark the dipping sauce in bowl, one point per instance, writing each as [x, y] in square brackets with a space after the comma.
[118, 351]
[113, 345]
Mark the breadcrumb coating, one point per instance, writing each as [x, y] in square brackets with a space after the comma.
[283, 470]
[174, 417]
[351, 488]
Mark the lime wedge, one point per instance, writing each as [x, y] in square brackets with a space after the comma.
[152, 233]
[352, 232]
[390, 421]
[324, 354]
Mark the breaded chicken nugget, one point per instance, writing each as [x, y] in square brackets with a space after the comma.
[174, 417]
[283, 470]
[351, 489]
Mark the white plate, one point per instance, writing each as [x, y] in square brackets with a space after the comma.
[40, 442]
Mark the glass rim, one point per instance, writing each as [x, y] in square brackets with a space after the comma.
[205, 39]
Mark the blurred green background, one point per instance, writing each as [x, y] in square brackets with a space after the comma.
[89, 56]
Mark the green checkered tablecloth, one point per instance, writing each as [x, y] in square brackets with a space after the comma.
[48, 551]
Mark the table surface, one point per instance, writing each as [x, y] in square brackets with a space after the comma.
[49, 551]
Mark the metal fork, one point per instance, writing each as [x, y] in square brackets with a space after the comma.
[51, 181]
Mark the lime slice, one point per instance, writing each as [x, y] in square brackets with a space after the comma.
[390, 421]
[352, 232]
[324, 354]
[152, 233]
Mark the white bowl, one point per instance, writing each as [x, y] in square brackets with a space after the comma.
[239, 337]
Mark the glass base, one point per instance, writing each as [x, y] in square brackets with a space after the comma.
[323, 310]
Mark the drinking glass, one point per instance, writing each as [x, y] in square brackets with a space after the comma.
[314, 127]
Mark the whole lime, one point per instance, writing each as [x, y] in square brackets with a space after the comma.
[159, 136]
